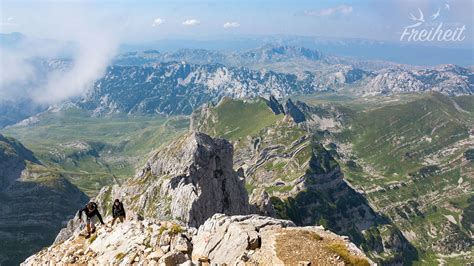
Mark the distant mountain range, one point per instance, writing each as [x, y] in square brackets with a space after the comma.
[248, 58]
[167, 83]
[360, 49]
[179, 88]
[180, 81]
[447, 79]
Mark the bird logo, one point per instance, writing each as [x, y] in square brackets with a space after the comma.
[418, 20]
[436, 15]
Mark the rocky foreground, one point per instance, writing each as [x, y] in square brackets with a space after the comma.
[222, 239]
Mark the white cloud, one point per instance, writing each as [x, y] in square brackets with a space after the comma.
[8, 22]
[231, 25]
[93, 43]
[191, 22]
[341, 10]
[157, 22]
[89, 64]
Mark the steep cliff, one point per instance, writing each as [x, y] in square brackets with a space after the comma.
[190, 179]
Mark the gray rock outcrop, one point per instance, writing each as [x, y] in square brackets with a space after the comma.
[190, 180]
[234, 240]
[224, 239]
[262, 203]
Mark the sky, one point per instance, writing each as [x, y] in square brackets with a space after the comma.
[144, 21]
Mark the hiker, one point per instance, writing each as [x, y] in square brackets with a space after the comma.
[118, 211]
[91, 211]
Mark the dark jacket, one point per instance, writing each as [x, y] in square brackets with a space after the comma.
[91, 214]
[118, 210]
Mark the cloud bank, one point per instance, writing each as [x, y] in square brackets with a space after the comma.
[231, 25]
[191, 22]
[10, 21]
[30, 69]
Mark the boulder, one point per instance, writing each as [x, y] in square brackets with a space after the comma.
[173, 258]
[181, 244]
[227, 238]
[155, 255]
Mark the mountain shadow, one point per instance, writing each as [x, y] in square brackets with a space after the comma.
[34, 202]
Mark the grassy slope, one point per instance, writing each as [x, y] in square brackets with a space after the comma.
[109, 146]
[395, 140]
[239, 118]
[243, 122]
[383, 130]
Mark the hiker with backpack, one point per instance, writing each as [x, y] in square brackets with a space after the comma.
[118, 211]
[91, 212]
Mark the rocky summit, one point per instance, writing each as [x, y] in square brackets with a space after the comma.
[190, 179]
[240, 240]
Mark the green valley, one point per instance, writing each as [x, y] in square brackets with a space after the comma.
[95, 151]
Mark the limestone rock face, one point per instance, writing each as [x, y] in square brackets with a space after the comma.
[276, 107]
[292, 110]
[190, 179]
[224, 239]
[262, 202]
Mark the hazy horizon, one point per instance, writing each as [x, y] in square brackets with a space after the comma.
[148, 21]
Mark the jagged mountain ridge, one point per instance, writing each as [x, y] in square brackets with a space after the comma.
[190, 179]
[180, 88]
